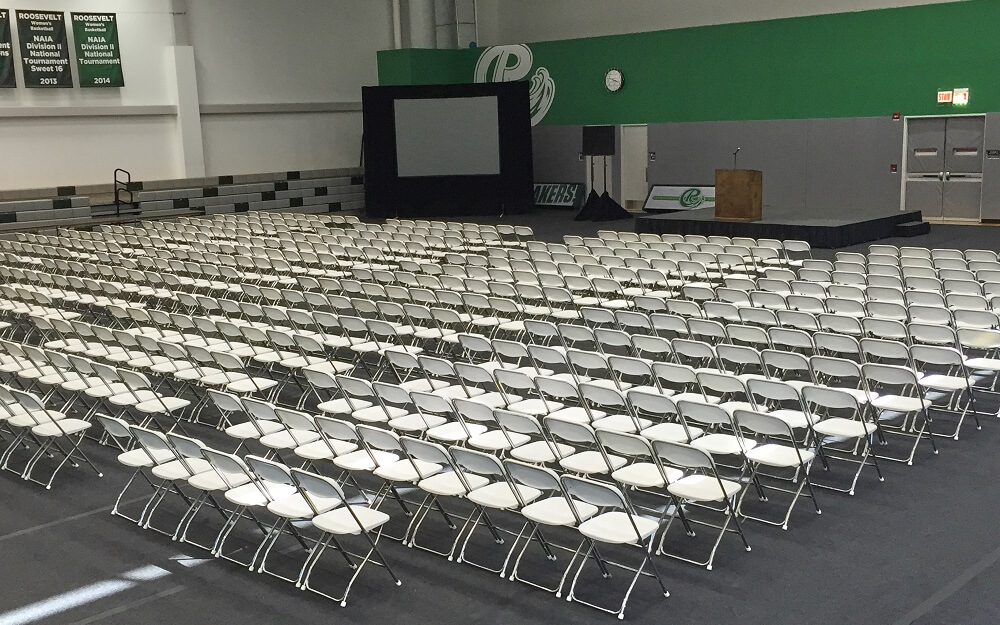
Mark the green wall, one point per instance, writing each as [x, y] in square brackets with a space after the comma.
[865, 64]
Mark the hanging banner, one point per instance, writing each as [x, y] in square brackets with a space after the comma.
[7, 78]
[44, 51]
[98, 59]
[564, 194]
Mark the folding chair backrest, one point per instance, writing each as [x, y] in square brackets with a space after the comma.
[683, 456]
[595, 493]
[318, 490]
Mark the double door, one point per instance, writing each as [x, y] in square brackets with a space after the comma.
[944, 166]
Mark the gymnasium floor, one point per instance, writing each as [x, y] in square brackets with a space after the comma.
[922, 547]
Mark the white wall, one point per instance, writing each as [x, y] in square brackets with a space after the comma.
[284, 53]
[519, 21]
[51, 137]
[279, 86]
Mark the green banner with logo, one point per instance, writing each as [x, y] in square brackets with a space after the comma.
[98, 56]
[7, 78]
[857, 64]
[44, 50]
[674, 198]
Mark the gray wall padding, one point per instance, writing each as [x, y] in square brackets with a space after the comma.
[812, 167]
[828, 167]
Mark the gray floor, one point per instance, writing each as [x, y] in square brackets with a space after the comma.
[921, 547]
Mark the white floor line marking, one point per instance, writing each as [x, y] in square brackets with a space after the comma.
[92, 592]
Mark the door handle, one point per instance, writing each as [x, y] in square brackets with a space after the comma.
[947, 175]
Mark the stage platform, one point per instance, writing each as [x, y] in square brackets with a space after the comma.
[819, 232]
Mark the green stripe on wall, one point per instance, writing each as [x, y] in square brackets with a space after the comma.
[863, 64]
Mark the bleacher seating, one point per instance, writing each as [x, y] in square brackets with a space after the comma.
[314, 191]
[317, 191]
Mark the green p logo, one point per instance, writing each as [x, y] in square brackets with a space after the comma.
[692, 198]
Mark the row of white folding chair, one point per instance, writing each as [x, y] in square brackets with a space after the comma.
[562, 427]
[250, 487]
[923, 252]
[73, 376]
[25, 418]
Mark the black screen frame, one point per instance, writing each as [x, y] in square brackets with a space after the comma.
[389, 195]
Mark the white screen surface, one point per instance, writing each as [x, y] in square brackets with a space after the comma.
[447, 137]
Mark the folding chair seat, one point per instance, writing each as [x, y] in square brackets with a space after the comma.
[714, 419]
[700, 488]
[551, 511]
[537, 448]
[782, 401]
[452, 483]
[981, 347]
[842, 375]
[588, 457]
[775, 456]
[52, 431]
[900, 405]
[132, 455]
[335, 517]
[944, 372]
[844, 432]
[499, 494]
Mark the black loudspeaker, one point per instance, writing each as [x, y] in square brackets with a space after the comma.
[598, 140]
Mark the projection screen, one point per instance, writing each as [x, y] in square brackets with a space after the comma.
[447, 137]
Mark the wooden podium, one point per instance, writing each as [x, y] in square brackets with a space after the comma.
[738, 194]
